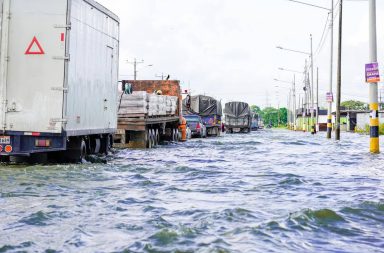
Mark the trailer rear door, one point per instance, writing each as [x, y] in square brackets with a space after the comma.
[32, 87]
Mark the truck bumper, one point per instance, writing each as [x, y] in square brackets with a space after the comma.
[25, 144]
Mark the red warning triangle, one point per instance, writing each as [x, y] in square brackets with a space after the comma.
[35, 43]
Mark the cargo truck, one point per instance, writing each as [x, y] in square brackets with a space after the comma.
[149, 113]
[208, 108]
[58, 78]
[238, 117]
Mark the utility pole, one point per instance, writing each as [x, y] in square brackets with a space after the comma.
[317, 101]
[373, 87]
[288, 111]
[313, 130]
[338, 90]
[162, 76]
[294, 103]
[329, 118]
[135, 63]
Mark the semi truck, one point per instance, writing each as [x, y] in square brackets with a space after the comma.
[238, 117]
[149, 113]
[58, 78]
[208, 108]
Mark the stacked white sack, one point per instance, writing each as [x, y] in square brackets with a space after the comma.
[153, 108]
[171, 105]
[135, 103]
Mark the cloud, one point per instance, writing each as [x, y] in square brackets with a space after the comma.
[227, 48]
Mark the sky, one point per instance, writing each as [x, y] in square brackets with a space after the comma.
[227, 48]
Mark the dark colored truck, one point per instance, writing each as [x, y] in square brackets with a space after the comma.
[238, 117]
[208, 108]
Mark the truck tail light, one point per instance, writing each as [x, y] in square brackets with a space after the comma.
[8, 149]
[42, 143]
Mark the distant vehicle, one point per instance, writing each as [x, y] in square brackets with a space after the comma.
[195, 123]
[255, 122]
[146, 119]
[208, 108]
[238, 117]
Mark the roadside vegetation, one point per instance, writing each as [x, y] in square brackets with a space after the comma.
[271, 116]
[366, 129]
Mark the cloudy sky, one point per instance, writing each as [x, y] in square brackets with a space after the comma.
[227, 48]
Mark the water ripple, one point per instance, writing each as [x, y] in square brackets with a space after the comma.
[269, 191]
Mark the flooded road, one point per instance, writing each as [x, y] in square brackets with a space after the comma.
[270, 191]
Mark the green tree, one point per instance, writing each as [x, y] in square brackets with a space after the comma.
[272, 115]
[255, 109]
[354, 105]
[283, 116]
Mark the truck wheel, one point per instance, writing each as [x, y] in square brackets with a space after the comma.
[157, 137]
[149, 139]
[153, 137]
[76, 151]
[178, 138]
[173, 135]
[83, 151]
[105, 144]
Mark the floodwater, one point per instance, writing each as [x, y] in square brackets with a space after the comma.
[269, 191]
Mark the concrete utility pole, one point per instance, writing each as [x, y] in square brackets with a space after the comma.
[338, 91]
[135, 63]
[317, 101]
[373, 89]
[294, 103]
[162, 76]
[313, 130]
[329, 118]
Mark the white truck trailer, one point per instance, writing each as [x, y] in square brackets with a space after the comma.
[58, 77]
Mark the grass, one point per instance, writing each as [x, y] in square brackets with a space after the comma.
[365, 130]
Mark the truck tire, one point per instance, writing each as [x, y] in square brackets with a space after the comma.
[76, 151]
[153, 137]
[149, 139]
[157, 137]
[83, 151]
[173, 135]
[106, 144]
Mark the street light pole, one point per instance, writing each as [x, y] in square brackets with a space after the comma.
[373, 89]
[317, 102]
[294, 103]
[330, 101]
[338, 91]
[313, 130]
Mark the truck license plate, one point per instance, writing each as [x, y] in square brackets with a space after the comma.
[5, 140]
[236, 129]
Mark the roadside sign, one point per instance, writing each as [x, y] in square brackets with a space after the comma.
[372, 74]
[329, 97]
[34, 47]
